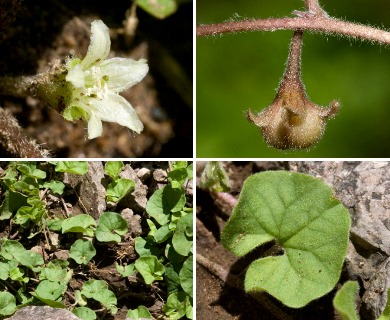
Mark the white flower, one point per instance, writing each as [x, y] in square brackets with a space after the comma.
[96, 83]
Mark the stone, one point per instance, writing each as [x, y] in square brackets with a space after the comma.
[43, 313]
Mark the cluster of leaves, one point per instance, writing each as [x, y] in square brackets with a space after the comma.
[168, 250]
[26, 277]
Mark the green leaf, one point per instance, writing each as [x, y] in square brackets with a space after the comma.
[80, 299]
[54, 224]
[92, 286]
[4, 270]
[113, 168]
[182, 238]
[174, 257]
[162, 234]
[178, 164]
[186, 274]
[80, 223]
[30, 259]
[140, 313]
[176, 305]
[84, 313]
[146, 247]
[214, 177]
[172, 279]
[345, 300]
[55, 186]
[150, 268]
[76, 167]
[118, 189]
[11, 248]
[55, 271]
[50, 290]
[7, 303]
[31, 170]
[82, 251]
[108, 299]
[177, 177]
[12, 202]
[190, 171]
[386, 313]
[301, 214]
[111, 225]
[16, 274]
[158, 8]
[164, 201]
[125, 271]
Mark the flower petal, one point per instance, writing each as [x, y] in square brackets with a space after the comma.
[118, 109]
[123, 73]
[99, 47]
[95, 127]
[76, 76]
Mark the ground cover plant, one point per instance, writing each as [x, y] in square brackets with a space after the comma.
[341, 42]
[301, 231]
[106, 240]
[65, 69]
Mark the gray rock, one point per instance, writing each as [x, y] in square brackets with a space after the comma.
[43, 313]
[137, 199]
[89, 188]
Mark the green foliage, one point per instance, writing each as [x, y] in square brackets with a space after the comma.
[345, 300]
[214, 177]
[140, 313]
[84, 313]
[7, 303]
[111, 226]
[301, 214]
[82, 223]
[178, 305]
[150, 268]
[113, 168]
[167, 247]
[75, 167]
[118, 189]
[82, 251]
[159, 8]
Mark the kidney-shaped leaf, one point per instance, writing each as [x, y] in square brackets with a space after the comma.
[7, 303]
[111, 225]
[301, 214]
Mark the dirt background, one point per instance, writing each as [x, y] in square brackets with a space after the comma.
[361, 186]
[33, 34]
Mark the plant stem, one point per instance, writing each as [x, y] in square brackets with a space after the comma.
[15, 141]
[17, 86]
[315, 23]
[314, 7]
[292, 74]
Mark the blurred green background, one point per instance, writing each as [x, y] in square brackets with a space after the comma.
[236, 72]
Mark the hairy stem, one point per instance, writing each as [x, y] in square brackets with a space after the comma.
[314, 7]
[315, 23]
[17, 86]
[15, 141]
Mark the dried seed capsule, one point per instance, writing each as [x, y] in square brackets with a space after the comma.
[292, 121]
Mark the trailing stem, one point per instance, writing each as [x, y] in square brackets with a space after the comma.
[312, 22]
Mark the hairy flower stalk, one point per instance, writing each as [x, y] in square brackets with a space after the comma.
[292, 121]
[87, 89]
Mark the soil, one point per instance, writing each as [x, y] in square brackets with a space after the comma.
[220, 274]
[33, 35]
[82, 192]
